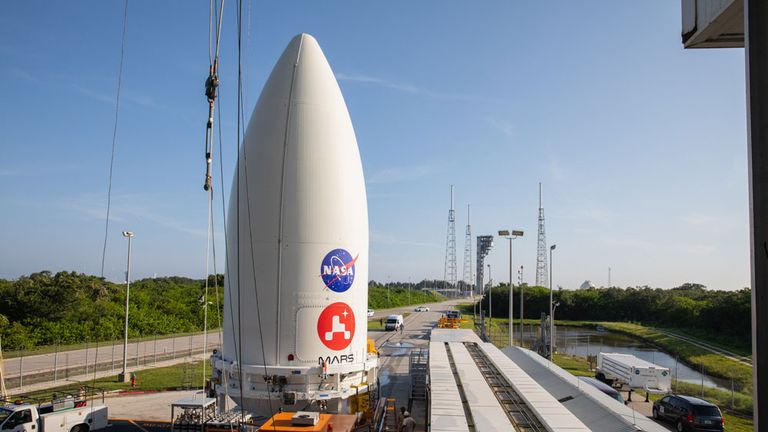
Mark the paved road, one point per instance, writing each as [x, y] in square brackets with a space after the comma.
[711, 348]
[394, 350]
[149, 406]
[107, 355]
[381, 313]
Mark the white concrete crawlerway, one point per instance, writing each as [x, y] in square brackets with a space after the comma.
[593, 407]
[462, 368]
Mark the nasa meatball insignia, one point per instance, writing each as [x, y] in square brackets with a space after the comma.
[338, 270]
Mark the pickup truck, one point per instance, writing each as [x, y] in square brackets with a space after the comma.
[61, 416]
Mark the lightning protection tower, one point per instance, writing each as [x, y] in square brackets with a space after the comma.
[541, 250]
[450, 273]
[467, 275]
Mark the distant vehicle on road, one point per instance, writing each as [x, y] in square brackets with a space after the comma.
[62, 415]
[394, 322]
[370, 312]
[453, 314]
[605, 388]
[689, 413]
[422, 309]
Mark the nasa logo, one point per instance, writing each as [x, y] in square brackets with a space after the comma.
[336, 326]
[338, 270]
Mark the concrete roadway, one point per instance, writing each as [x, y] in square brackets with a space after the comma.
[164, 348]
[106, 355]
[394, 350]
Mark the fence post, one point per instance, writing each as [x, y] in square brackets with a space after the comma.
[732, 395]
[173, 347]
[113, 356]
[138, 341]
[676, 378]
[701, 371]
[21, 369]
[96, 360]
[66, 365]
[86, 356]
[190, 346]
[155, 350]
[56, 363]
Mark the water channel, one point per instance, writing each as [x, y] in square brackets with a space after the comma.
[582, 342]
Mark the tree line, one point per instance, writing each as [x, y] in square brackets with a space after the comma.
[689, 306]
[68, 307]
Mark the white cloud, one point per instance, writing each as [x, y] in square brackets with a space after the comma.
[400, 174]
[507, 128]
[404, 87]
[389, 239]
[125, 207]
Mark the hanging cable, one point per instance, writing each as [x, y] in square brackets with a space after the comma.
[114, 136]
[212, 85]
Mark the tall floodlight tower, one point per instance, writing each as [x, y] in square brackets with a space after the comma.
[541, 250]
[450, 273]
[484, 245]
[467, 276]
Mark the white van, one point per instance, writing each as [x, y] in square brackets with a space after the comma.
[394, 322]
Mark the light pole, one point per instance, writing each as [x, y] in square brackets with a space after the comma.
[124, 374]
[490, 304]
[551, 318]
[522, 316]
[511, 236]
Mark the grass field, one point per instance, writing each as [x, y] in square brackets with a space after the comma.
[186, 375]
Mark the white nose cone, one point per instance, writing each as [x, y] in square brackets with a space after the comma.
[297, 231]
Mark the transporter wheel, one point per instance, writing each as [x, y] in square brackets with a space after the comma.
[79, 428]
[655, 413]
[679, 426]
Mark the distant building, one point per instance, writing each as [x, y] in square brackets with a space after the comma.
[587, 285]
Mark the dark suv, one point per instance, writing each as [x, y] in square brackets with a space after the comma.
[689, 413]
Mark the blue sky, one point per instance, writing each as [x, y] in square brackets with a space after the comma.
[640, 145]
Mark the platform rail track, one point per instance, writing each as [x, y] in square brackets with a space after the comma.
[514, 406]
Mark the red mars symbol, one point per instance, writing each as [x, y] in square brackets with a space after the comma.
[336, 326]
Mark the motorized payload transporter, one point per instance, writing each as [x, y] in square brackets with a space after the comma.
[296, 293]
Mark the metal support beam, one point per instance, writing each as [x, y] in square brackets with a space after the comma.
[756, 30]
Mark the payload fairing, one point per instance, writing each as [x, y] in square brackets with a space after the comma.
[296, 293]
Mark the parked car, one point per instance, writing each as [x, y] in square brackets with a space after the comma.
[603, 387]
[689, 413]
[422, 309]
[370, 312]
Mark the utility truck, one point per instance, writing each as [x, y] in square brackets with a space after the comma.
[67, 413]
[625, 369]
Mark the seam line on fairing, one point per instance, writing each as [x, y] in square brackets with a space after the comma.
[282, 204]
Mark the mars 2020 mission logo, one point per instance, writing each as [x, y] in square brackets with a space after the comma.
[336, 326]
[338, 270]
